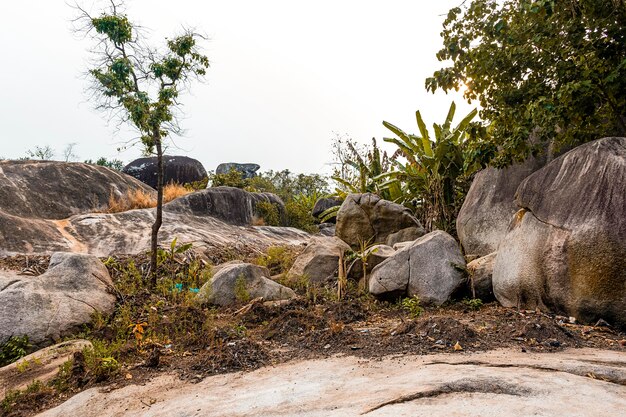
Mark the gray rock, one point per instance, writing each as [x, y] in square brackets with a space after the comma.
[176, 169]
[405, 235]
[241, 282]
[566, 248]
[480, 273]
[489, 205]
[57, 190]
[246, 170]
[326, 229]
[431, 268]
[319, 262]
[366, 219]
[323, 204]
[58, 302]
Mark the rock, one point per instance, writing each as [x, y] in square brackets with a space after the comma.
[374, 255]
[431, 268]
[42, 365]
[323, 204]
[405, 235]
[366, 219]
[480, 273]
[246, 170]
[242, 282]
[56, 303]
[177, 169]
[230, 204]
[503, 382]
[326, 229]
[489, 205]
[319, 262]
[56, 190]
[565, 250]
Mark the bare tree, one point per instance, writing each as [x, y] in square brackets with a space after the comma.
[68, 152]
[140, 85]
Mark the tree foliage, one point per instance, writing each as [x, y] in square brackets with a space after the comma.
[553, 70]
[141, 85]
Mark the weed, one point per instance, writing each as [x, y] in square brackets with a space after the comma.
[473, 303]
[412, 305]
[172, 191]
[242, 294]
[13, 349]
[278, 259]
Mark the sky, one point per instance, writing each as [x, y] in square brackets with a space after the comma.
[285, 78]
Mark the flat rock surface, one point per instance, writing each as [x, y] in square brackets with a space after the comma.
[581, 382]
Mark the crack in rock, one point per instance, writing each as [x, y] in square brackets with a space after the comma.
[482, 386]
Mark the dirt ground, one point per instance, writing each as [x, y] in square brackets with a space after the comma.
[260, 334]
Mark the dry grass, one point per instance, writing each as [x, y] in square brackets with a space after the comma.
[138, 198]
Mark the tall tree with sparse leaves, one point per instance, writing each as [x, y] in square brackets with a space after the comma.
[140, 85]
[551, 69]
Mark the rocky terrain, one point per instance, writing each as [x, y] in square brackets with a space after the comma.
[524, 313]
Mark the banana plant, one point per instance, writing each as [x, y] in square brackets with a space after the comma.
[435, 167]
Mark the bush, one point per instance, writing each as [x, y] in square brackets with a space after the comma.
[412, 305]
[139, 199]
[13, 349]
[267, 214]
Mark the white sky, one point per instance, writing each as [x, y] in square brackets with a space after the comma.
[284, 76]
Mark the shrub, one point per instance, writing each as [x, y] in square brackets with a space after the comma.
[241, 290]
[473, 303]
[278, 259]
[13, 349]
[267, 214]
[139, 199]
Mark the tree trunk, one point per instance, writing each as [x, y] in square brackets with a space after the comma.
[159, 211]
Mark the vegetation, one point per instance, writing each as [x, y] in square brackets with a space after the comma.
[13, 349]
[115, 164]
[299, 192]
[436, 175]
[142, 85]
[138, 198]
[412, 306]
[551, 71]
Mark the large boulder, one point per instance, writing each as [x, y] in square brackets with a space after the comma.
[366, 219]
[323, 204]
[52, 305]
[565, 250]
[319, 262]
[489, 205]
[431, 268]
[242, 282]
[246, 170]
[230, 204]
[176, 169]
[57, 190]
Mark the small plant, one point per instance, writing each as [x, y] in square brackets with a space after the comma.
[278, 259]
[473, 303]
[138, 330]
[412, 305]
[267, 214]
[13, 349]
[242, 294]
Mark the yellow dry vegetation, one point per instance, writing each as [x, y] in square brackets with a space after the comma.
[138, 198]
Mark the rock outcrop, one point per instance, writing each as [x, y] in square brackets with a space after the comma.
[565, 250]
[47, 307]
[215, 217]
[247, 170]
[176, 169]
[319, 262]
[57, 190]
[489, 205]
[242, 282]
[431, 268]
[366, 219]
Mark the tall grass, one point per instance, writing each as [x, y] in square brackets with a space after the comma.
[138, 198]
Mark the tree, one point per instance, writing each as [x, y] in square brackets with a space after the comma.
[554, 70]
[115, 164]
[44, 153]
[68, 152]
[140, 85]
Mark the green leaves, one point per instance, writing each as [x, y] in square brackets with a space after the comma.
[552, 68]
[116, 27]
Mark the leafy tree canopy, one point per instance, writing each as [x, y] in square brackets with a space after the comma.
[551, 70]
